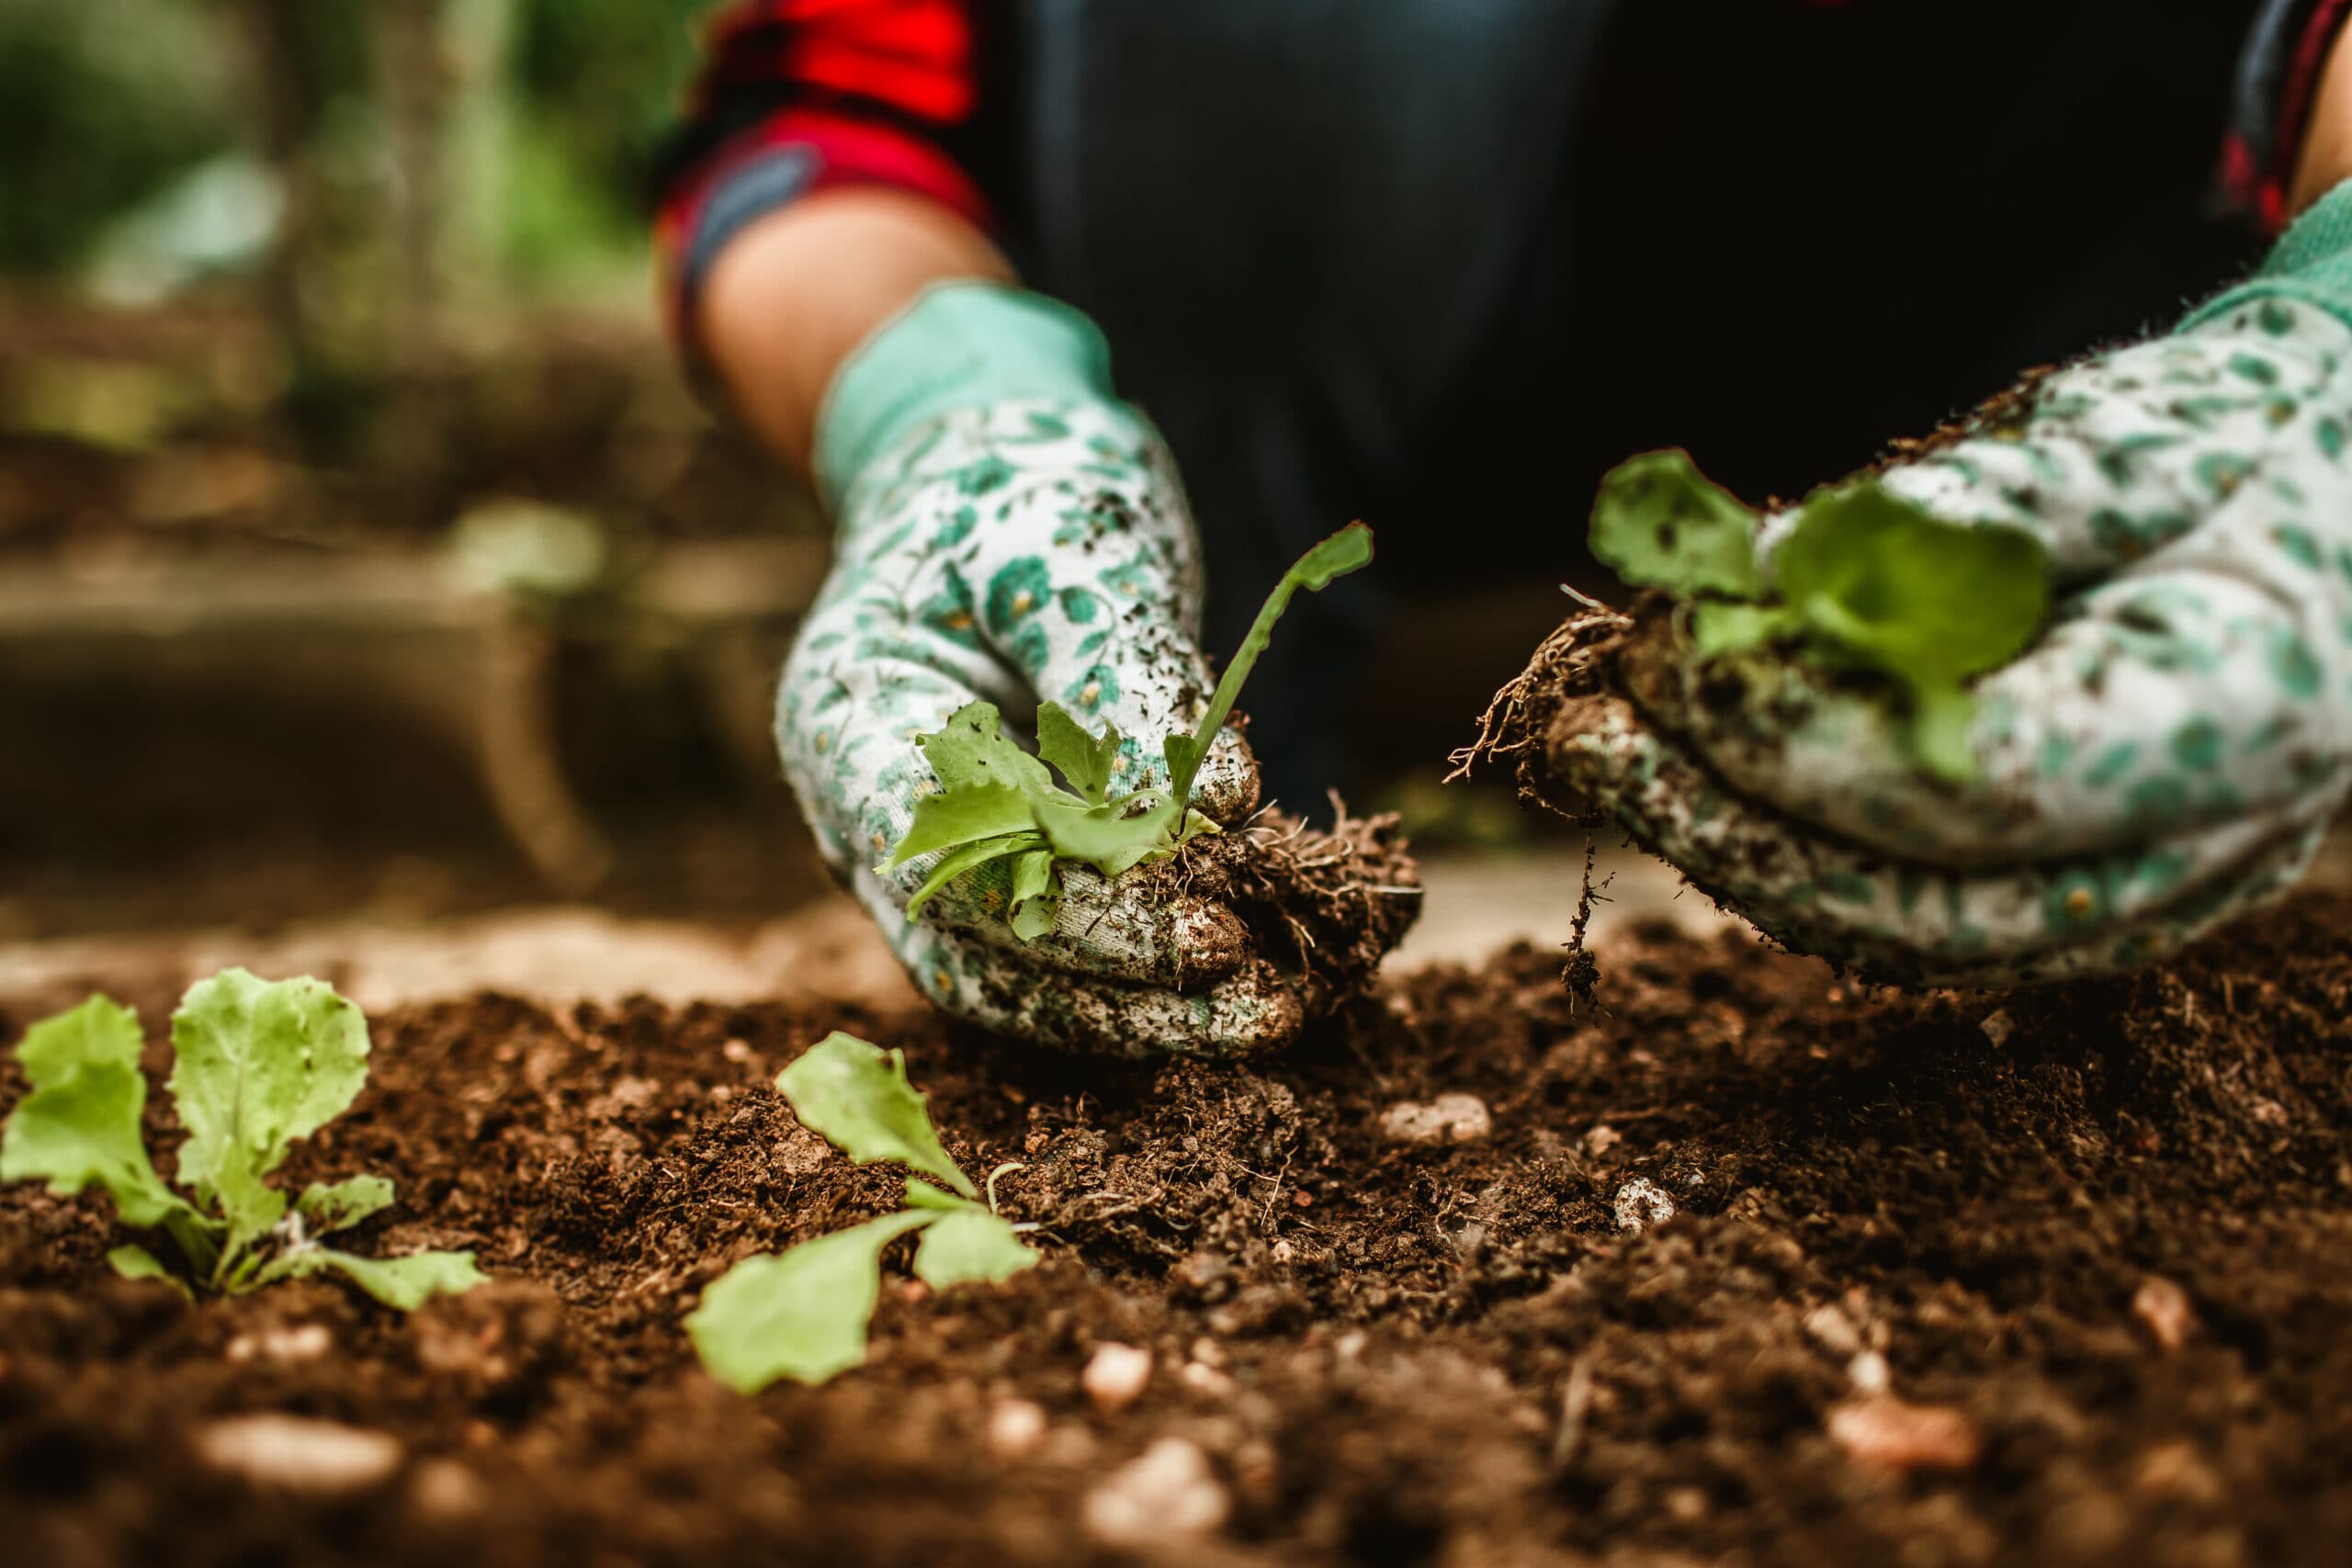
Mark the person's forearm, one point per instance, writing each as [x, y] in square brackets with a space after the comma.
[2325, 161]
[793, 294]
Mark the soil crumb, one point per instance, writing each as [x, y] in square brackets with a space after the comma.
[1896, 1306]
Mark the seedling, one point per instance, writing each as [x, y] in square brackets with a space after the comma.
[256, 1065]
[1866, 581]
[802, 1314]
[997, 802]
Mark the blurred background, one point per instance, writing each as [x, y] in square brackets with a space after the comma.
[374, 592]
[366, 567]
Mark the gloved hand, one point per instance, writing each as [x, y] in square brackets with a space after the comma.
[1008, 530]
[2170, 752]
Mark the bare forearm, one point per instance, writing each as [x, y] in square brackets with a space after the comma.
[2325, 161]
[792, 295]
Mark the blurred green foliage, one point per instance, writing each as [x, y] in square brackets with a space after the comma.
[102, 104]
[106, 104]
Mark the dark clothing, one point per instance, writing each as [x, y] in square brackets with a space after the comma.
[1438, 262]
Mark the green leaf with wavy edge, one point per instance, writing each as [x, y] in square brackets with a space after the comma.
[969, 1244]
[1659, 523]
[1036, 894]
[857, 1095]
[800, 1313]
[955, 818]
[1085, 761]
[259, 1064]
[971, 751]
[81, 1122]
[403, 1283]
[134, 1262]
[339, 1205]
[969, 858]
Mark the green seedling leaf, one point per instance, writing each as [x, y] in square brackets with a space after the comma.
[971, 751]
[1661, 524]
[997, 800]
[857, 1095]
[921, 1194]
[957, 816]
[403, 1284]
[336, 1206]
[1348, 550]
[137, 1263]
[1717, 627]
[1084, 760]
[969, 1244]
[1906, 593]
[81, 1124]
[1114, 838]
[800, 1314]
[1036, 894]
[259, 1064]
[1879, 583]
[970, 857]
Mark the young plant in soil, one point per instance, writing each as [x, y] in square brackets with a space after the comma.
[1865, 581]
[997, 801]
[802, 1314]
[255, 1065]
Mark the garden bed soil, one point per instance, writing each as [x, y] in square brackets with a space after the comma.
[2055, 1277]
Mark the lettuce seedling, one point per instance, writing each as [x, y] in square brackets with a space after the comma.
[802, 1314]
[255, 1066]
[1865, 581]
[997, 802]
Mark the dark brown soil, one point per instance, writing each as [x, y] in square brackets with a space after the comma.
[1453, 1354]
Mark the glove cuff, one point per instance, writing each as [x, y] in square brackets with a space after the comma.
[2311, 263]
[959, 346]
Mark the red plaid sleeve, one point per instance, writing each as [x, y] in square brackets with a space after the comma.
[2277, 83]
[799, 96]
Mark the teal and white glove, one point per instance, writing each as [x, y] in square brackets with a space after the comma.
[2168, 753]
[1008, 530]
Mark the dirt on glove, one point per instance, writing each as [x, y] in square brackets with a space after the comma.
[1734, 1264]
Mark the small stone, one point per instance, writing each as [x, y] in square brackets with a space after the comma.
[1281, 1252]
[1641, 1203]
[736, 1050]
[305, 1342]
[2164, 1309]
[1999, 1026]
[1350, 1345]
[299, 1454]
[445, 1489]
[1600, 1138]
[1116, 1377]
[1869, 1372]
[1015, 1428]
[1166, 1493]
[1448, 1119]
[1204, 1378]
[2176, 1471]
[1833, 1331]
[1887, 1433]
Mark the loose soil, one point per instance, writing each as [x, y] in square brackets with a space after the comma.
[1490, 1352]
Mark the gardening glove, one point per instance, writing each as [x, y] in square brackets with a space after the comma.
[2167, 754]
[1008, 530]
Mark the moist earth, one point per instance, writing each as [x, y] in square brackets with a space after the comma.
[1732, 1262]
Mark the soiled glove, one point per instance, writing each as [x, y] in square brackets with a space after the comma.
[1008, 530]
[2168, 753]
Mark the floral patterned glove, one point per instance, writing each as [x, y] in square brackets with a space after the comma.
[2171, 750]
[1008, 530]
